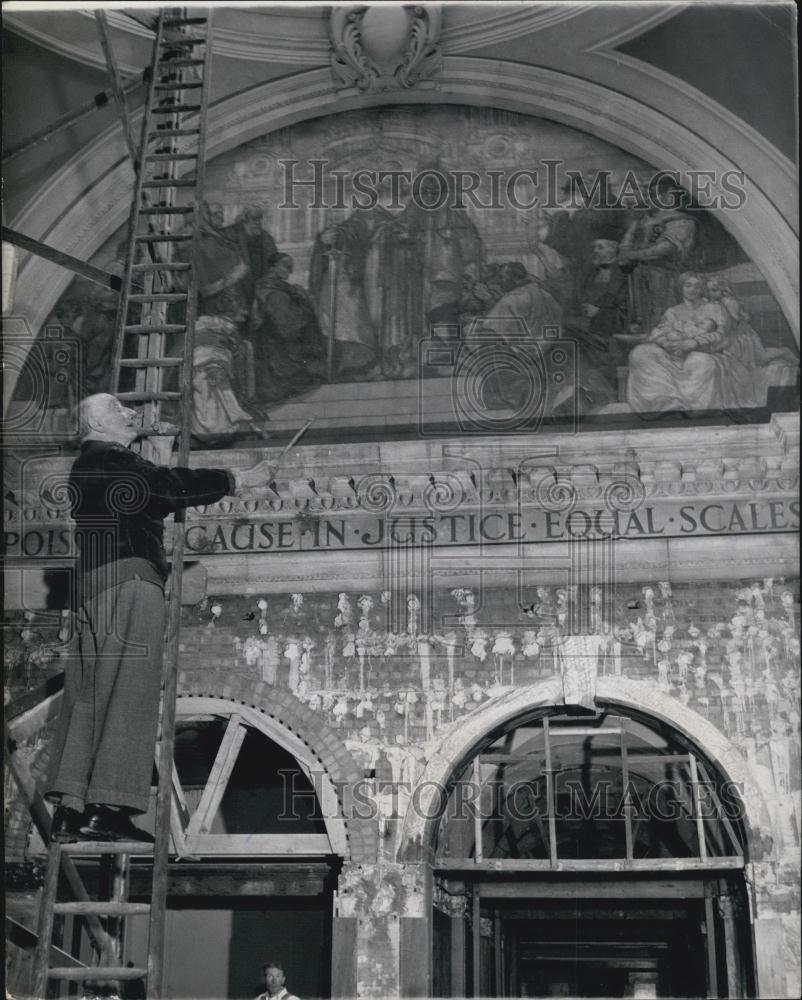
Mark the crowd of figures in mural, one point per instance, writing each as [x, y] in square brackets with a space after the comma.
[730, 653]
[288, 299]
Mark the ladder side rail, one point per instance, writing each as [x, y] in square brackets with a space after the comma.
[156, 942]
[44, 930]
[131, 251]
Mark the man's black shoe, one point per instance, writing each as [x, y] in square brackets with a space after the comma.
[64, 828]
[101, 823]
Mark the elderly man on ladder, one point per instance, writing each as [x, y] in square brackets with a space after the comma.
[103, 752]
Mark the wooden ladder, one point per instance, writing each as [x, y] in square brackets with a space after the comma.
[153, 372]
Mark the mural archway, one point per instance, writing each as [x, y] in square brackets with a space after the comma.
[97, 212]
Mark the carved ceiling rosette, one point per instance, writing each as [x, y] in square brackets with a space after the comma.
[384, 47]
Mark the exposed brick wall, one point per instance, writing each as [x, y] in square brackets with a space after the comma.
[367, 696]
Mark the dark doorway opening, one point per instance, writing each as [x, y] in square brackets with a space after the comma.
[592, 935]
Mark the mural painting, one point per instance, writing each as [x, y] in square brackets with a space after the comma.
[306, 277]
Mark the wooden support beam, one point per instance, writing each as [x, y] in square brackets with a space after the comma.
[24, 937]
[216, 785]
[96, 274]
[476, 944]
[617, 889]
[72, 118]
[31, 699]
[506, 865]
[477, 811]
[710, 946]
[625, 781]
[697, 808]
[550, 805]
[116, 85]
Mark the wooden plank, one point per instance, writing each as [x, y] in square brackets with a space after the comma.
[100, 100]
[100, 277]
[476, 945]
[217, 782]
[477, 811]
[97, 973]
[710, 948]
[112, 908]
[343, 958]
[697, 808]
[497, 954]
[590, 865]
[618, 889]
[267, 844]
[413, 962]
[458, 955]
[298, 877]
[24, 937]
[116, 84]
[550, 794]
[722, 815]
[625, 781]
[33, 699]
[734, 984]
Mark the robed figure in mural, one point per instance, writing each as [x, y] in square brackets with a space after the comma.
[380, 279]
[288, 346]
[359, 285]
[656, 249]
[446, 243]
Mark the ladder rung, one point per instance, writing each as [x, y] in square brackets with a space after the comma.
[169, 266]
[109, 908]
[169, 157]
[151, 362]
[147, 397]
[178, 22]
[174, 63]
[107, 847]
[167, 210]
[164, 237]
[174, 109]
[169, 183]
[186, 40]
[100, 973]
[173, 131]
[189, 85]
[156, 328]
[160, 297]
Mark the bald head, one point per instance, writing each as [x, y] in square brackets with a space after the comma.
[102, 417]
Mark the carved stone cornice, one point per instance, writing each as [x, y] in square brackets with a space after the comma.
[622, 485]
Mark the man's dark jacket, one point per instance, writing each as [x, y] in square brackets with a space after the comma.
[119, 501]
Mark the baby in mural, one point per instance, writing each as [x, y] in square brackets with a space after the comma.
[682, 336]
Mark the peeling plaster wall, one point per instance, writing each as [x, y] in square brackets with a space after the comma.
[392, 693]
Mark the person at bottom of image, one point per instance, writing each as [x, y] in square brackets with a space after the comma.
[274, 983]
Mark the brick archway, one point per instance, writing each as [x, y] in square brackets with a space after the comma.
[362, 838]
[284, 708]
[458, 746]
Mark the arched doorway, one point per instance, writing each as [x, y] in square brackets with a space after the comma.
[259, 841]
[590, 854]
